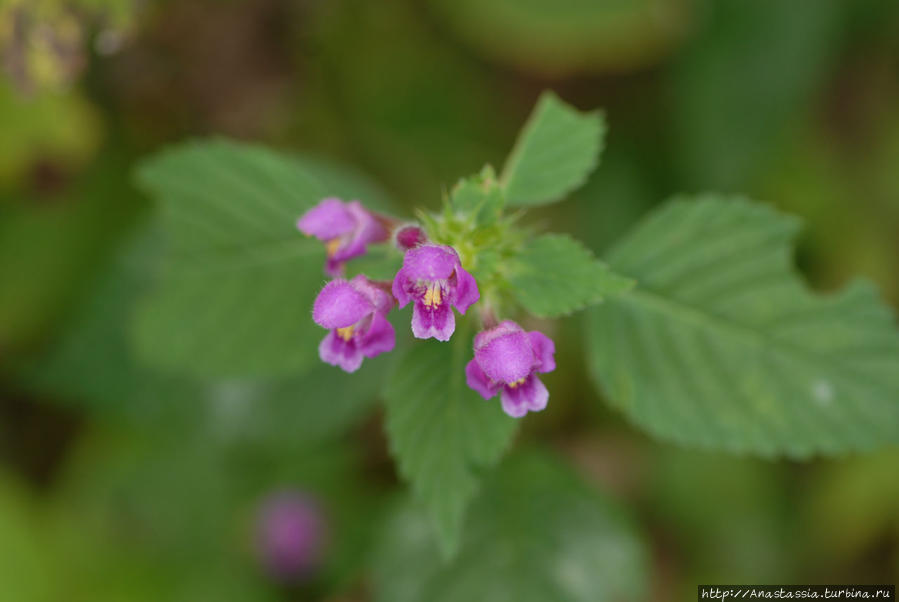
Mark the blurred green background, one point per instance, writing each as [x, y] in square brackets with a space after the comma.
[117, 484]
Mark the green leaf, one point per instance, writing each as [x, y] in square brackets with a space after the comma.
[555, 275]
[536, 533]
[238, 280]
[442, 433]
[554, 154]
[722, 346]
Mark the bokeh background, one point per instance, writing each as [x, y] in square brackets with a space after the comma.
[109, 492]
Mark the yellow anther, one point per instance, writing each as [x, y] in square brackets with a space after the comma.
[432, 295]
[346, 333]
[517, 383]
[332, 246]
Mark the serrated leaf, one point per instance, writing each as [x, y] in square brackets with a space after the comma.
[555, 152]
[536, 533]
[722, 346]
[239, 280]
[442, 434]
[555, 275]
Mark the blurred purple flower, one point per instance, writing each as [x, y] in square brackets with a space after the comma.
[345, 228]
[355, 312]
[506, 360]
[432, 277]
[291, 534]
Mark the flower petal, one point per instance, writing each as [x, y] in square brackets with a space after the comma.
[544, 348]
[430, 262]
[329, 219]
[512, 403]
[339, 305]
[507, 358]
[477, 380]
[466, 290]
[380, 337]
[336, 351]
[366, 229]
[503, 328]
[531, 395]
[438, 322]
[399, 288]
[380, 299]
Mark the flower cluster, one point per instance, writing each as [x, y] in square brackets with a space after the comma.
[432, 278]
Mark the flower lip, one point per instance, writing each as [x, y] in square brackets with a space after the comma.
[530, 395]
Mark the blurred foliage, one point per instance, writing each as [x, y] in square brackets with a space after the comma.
[154, 477]
[50, 126]
[556, 38]
[536, 533]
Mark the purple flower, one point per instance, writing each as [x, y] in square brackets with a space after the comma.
[433, 277]
[291, 535]
[355, 312]
[506, 360]
[345, 228]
